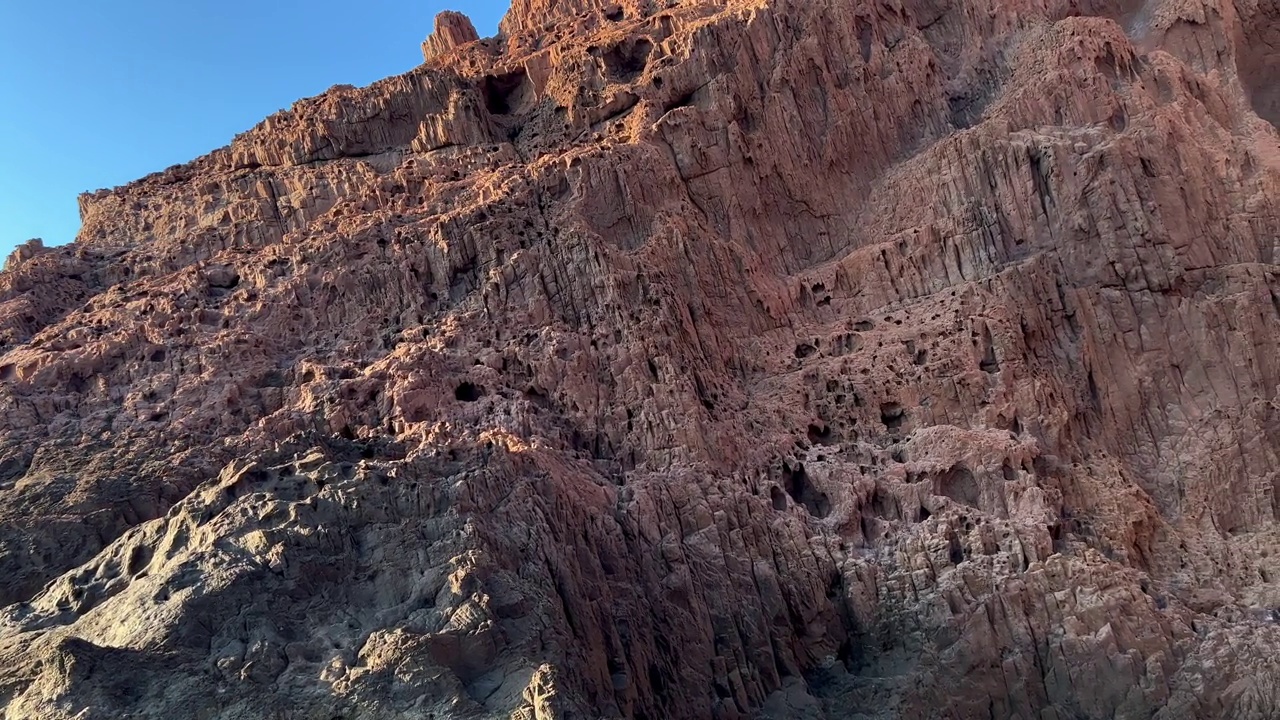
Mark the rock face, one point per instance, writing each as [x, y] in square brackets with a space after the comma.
[453, 29]
[684, 359]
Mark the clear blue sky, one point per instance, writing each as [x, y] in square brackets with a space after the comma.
[96, 94]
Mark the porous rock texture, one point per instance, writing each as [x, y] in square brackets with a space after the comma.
[689, 359]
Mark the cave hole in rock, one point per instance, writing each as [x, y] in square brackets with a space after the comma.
[226, 280]
[882, 505]
[989, 363]
[1095, 395]
[1057, 535]
[892, 415]
[1008, 472]
[468, 392]
[804, 350]
[1041, 162]
[868, 526]
[955, 550]
[626, 60]
[594, 445]
[8, 372]
[503, 94]
[1015, 426]
[688, 99]
[801, 490]
[539, 398]
[820, 433]
[866, 36]
[778, 498]
[960, 484]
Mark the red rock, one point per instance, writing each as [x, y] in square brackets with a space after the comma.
[453, 29]
[680, 360]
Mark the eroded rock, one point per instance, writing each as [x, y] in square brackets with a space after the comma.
[679, 359]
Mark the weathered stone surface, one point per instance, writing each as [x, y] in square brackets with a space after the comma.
[452, 30]
[695, 359]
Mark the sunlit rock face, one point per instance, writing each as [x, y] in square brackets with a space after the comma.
[452, 29]
[689, 359]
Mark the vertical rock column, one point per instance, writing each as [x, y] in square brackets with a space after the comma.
[453, 29]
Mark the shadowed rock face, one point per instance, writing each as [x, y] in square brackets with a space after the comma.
[685, 359]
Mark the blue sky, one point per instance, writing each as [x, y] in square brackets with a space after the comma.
[100, 93]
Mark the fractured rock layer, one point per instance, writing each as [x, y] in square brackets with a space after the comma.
[682, 359]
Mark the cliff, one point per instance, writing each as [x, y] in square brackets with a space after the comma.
[676, 359]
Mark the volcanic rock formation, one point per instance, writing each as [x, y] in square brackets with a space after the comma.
[452, 29]
[676, 359]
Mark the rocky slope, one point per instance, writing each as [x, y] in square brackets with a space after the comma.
[686, 359]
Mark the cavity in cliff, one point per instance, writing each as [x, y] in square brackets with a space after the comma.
[685, 359]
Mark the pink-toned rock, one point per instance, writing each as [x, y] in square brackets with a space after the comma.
[676, 360]
[453, 29]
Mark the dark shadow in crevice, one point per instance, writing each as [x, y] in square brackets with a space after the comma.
[1258, 62]
[627, 60]
[506, 93]
[802, 491]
